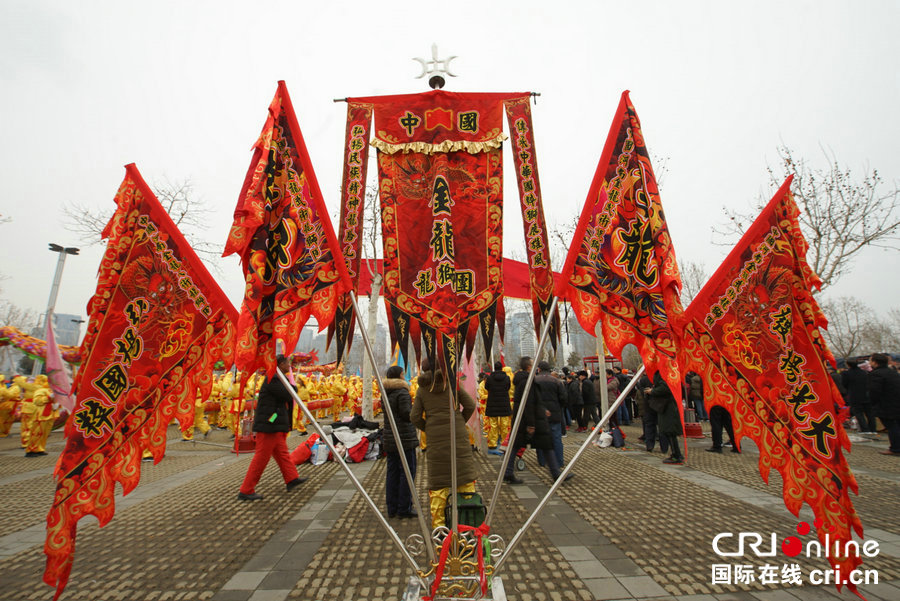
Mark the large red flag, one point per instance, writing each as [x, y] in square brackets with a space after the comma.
[158, 322]
[753, 336]
[291, 259]
[440, 185]
[621, 267]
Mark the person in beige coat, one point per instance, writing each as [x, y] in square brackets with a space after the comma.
[431, 414]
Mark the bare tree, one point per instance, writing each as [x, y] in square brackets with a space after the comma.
[189, 213]
[848, 320]
[693, 277]
[840, 214]
[631, 358]
[23, 320]
[13, 315]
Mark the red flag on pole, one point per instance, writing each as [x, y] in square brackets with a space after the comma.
[59, 379]
[753, 336]
[290, 256]
[158, 322]
[621, 267]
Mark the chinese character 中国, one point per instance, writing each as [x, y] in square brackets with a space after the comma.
[468, 121]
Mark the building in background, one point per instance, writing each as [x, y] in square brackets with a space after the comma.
[67, 328]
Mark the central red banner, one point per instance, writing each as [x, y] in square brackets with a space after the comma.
[441, 190]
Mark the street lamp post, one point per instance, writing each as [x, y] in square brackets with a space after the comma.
[54, 290]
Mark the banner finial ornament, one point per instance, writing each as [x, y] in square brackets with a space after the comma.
[435, 68]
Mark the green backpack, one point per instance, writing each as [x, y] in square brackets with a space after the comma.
[470, 508]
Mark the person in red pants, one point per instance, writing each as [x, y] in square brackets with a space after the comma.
[272, 423]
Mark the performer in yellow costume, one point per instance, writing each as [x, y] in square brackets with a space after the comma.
[44, 415]
[303, 393]
[212, 406]
[9, 400]
[354, 394]
[337, 390]
[199, 420]
[26, 408]
[234, 404]
[224, 399]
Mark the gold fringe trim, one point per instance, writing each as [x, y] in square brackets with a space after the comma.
[445, 146]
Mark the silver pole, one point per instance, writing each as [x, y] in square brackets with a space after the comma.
[594, 433]
[51, 304]
[601, 369]
[327, 440]
[515, 428]
[454, 521]
[386, 407]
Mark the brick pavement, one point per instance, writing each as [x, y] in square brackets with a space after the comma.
[627, 527]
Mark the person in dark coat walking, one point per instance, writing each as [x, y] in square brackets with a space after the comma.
[271, 423]
[589, 398]
[884, 392]
[663, 402]
[854, 380]
[534, 429]
[552, 393]
[496, 407]
[576, 401]
[397, 494]
[650, 419]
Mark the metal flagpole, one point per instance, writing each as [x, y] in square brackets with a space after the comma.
[327, 440]
[454, 512]
[594, 433]
[507, 457]
[386, 407]
[601, 367]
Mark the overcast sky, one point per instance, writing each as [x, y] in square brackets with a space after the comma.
[181, 89]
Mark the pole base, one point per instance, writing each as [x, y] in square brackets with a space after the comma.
[414, 591]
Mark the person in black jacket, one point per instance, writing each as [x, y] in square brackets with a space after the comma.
[534, 429]
[496, 407]
[861, 407]
[884, 392]
[589, 397]
[552, 393]
[271, 423]
[576, 401]
[663, 402]
[397, 494]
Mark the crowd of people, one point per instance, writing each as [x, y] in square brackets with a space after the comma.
[558, 400]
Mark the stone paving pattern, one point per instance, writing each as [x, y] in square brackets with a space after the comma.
[626, 527]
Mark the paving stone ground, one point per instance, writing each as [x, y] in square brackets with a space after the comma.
[626, 527]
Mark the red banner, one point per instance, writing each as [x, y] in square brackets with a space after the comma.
[753, 336]
[440, 185]
[158, 322]
[442, 232]
[291, 258]
[437, 121]
[621, 267]
[353, 196]
[518, 113]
